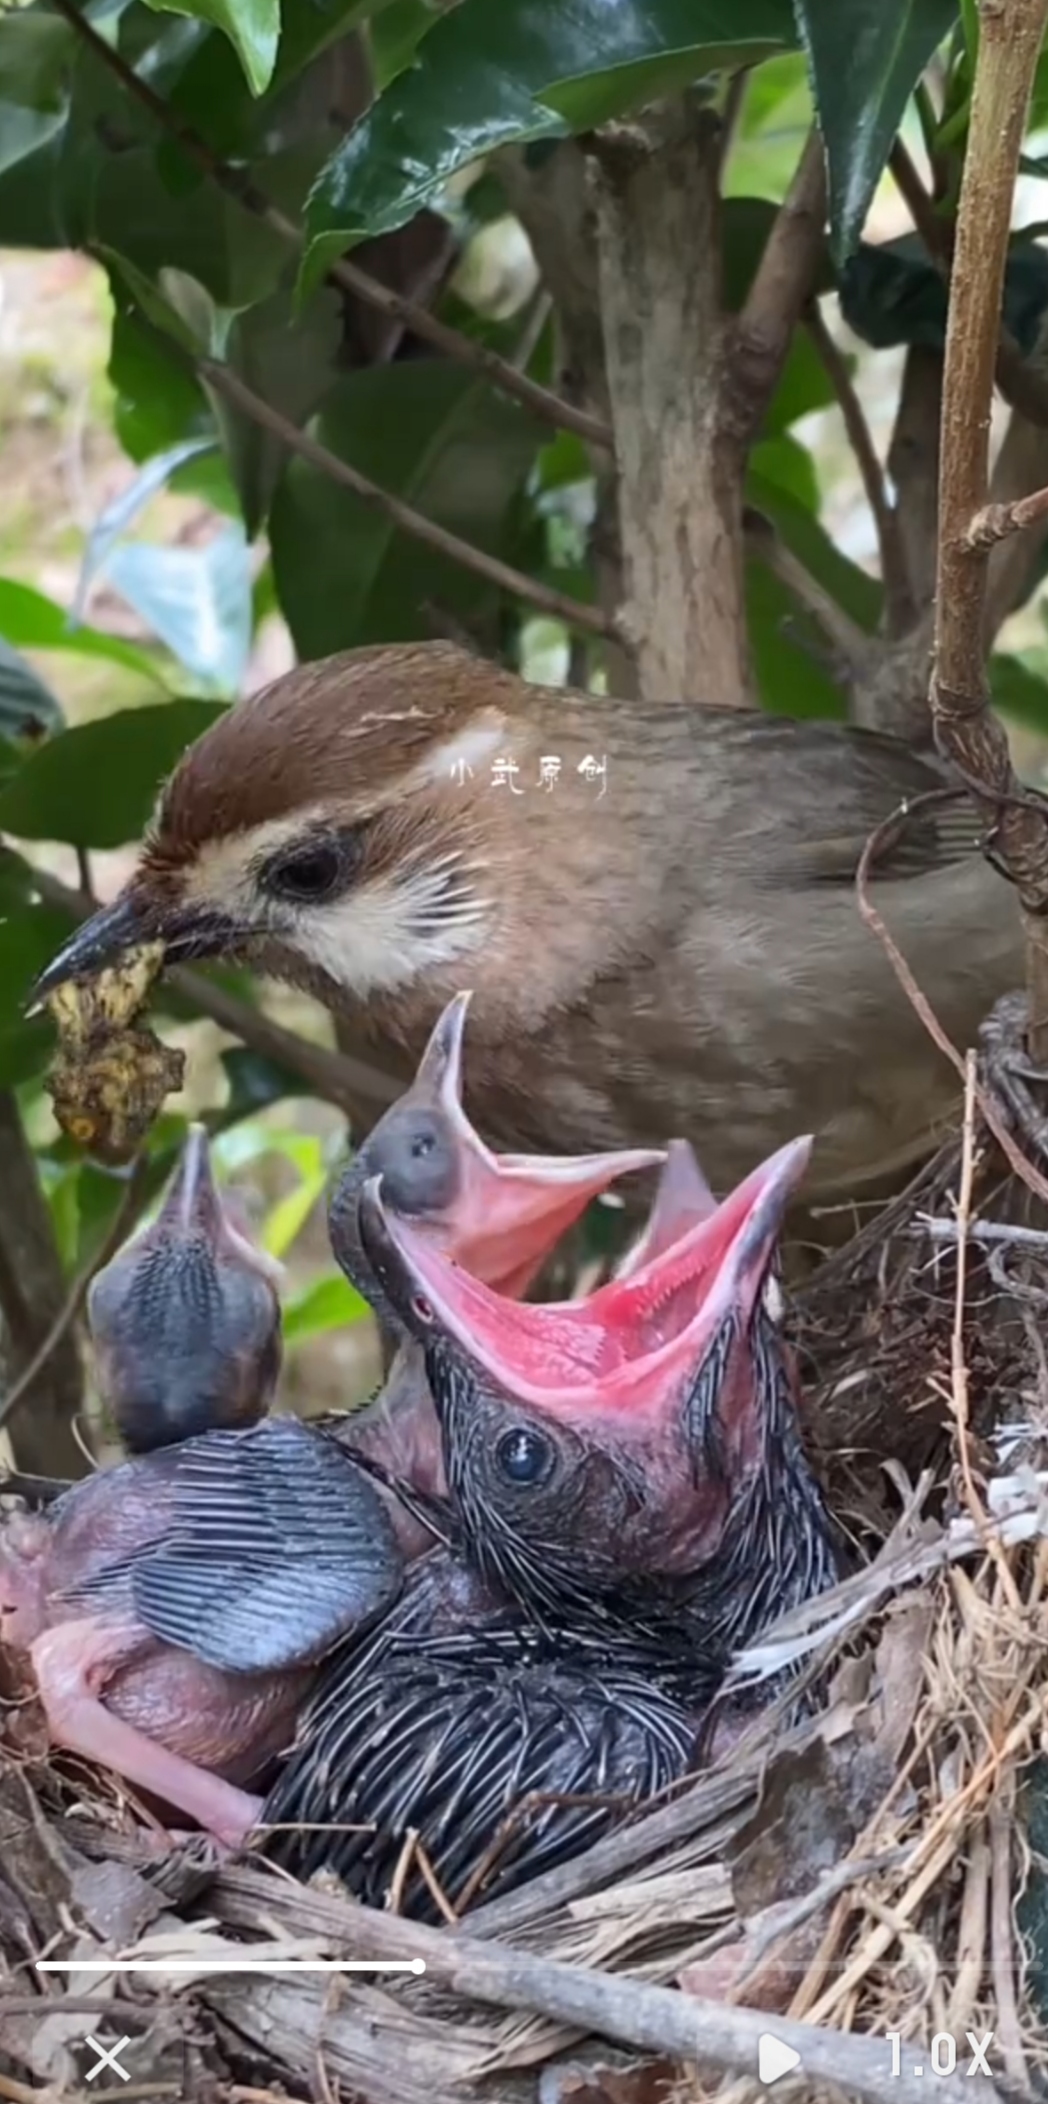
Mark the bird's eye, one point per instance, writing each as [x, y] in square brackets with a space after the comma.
[524, 1457]
[421, 1144]
[305, 874]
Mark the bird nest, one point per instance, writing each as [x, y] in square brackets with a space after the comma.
[863, 1864]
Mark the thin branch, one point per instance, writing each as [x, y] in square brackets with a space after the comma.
[546, 598]
[894, 571]
[996, 521]
[966, 730]
[781, 289]
[850, 642]
[348, 276]
[335, 1076]
[122, 1222]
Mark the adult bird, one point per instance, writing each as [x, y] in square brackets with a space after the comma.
[660, 930]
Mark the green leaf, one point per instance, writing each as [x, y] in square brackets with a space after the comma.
[197, 600]
[31, 621]
[433, 434]
[1020, 688]
[290, 359]
[95, 785]
[330, 1303]
[27, 706]
[29, 936]
[865, 62]
[892, 294]
[771, 488]
[159, 402]
[252, 26]
[36, 52]
[521, 70]
[395, 35]
[789, 650]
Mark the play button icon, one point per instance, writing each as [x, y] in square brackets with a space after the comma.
[775, 2059]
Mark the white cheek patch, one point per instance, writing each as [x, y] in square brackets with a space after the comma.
[380, 937]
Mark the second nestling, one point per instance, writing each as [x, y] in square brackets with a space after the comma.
[109, 1078]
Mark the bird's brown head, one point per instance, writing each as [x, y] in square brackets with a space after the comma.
[497, 1216]
[612, 1434]
[185, 1319]
[339, 830]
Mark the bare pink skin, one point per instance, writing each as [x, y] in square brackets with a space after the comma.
[110, 1690]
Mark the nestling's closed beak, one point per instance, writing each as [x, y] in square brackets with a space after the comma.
[185, 1318]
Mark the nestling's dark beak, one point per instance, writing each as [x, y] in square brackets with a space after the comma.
[186, 930]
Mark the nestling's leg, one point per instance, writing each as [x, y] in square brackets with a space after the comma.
[1011, 1074]
[73, 1664]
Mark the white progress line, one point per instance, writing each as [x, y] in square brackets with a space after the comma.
[230, 1965]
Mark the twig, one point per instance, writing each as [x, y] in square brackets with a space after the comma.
[119, 1227]
[850, 642]
[966, 730]
[996, 521]
[885, 832]
[335, 1076]
[989, 1231]
[348, 276]
[958, 1360]
[574, 612]
[889, 539]
[780, 291]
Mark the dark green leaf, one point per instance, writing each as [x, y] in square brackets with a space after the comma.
[865, 62]
[1020, 690]
[254, 1084]
[95, 786]
[197, 600]
[433, 434]
[27, 706]
[29, 937]
[770, 487]
[290, 360]
[252, 26]
[395, 35]
[521, 70]
[789, 650]
[33, 622]
[892, 294]
[159, 402]
[331, 1303]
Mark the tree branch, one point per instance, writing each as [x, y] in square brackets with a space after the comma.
[396, 306]
[996, 521]
[335, 1076]
[899, 602]
[781, 288]
[966, 730]
[680, 479]
[32, 1292]
[574, 612]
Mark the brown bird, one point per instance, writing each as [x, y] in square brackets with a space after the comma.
[639, 1447]
[654, 905]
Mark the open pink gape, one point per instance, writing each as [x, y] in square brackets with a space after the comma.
[628, 1345]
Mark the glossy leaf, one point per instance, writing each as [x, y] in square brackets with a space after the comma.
[434, 435]
[865, 62]
[330, 1303]
[29, 937]
[521, 70]
[31, 621]
[158, 403]
[197, 600]
[291, 361]
[252, 26]
[95, 785]
[35, 60]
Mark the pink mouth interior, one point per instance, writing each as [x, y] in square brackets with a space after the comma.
[628, 1341]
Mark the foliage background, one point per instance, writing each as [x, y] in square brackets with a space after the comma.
[161, 553]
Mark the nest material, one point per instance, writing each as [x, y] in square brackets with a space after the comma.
[874, 1868]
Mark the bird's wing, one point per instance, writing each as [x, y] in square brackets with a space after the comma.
[823, 788]
[278, 1547]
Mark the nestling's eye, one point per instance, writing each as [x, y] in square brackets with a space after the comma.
[524, 1457]
[305, 874]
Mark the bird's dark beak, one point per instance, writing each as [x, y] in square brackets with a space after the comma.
[186, 930]
[633, 1346]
